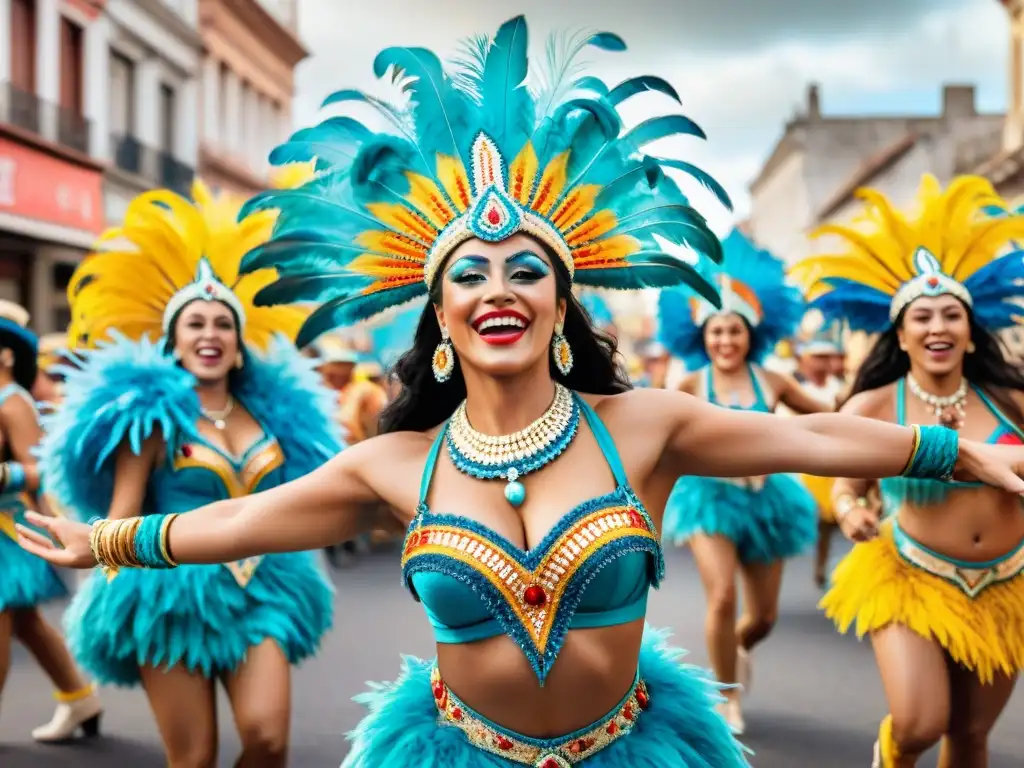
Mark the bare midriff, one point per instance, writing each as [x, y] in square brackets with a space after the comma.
[594, 671]
[972, 524]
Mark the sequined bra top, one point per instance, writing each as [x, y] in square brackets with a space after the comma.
[761, 404]
[593, 569]
[899, 491]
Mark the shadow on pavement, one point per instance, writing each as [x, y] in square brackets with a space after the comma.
[117, 751]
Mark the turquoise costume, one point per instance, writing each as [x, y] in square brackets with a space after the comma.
[594, 569]
[25, 580]
[204, 617]
[768, 519]
[490, 147]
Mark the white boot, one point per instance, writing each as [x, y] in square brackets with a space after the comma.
[77, 710]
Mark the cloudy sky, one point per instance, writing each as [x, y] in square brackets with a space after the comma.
[741, 66]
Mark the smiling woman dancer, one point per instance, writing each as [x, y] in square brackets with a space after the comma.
[750, 525]
[938, 586]
[154, 427]
[530, 478]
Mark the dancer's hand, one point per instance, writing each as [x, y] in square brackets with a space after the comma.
[860, 522]
[1000, 466]
[72, 549]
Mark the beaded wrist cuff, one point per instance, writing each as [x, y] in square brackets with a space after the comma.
[934, 453]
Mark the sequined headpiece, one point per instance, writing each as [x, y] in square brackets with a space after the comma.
[752, 284]
[950, 246]
[819, 337]
[487, 147]
[170, 252]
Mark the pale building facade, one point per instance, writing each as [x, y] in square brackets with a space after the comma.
[251, 49]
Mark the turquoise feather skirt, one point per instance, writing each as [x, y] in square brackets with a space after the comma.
[774, 522]
[680, 728]
[25, 580]
[197, 616]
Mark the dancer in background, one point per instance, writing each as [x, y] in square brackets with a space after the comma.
[748, 525]
[939, 586]
[817, 348]
[188, 394]
[25, 582]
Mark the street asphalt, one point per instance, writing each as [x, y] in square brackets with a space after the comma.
[816, 701]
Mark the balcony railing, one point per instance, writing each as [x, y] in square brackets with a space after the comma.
[52, 122]
[159, 168]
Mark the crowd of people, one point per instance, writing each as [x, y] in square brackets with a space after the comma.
[215, 416]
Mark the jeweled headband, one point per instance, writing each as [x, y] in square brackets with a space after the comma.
[958, 242]
[489, 146]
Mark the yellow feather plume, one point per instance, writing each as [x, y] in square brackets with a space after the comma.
[137, 268]
[879, 245]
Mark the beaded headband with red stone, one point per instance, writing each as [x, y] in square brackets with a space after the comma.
[930, 281]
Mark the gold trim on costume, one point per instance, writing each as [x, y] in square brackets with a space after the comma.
[971, 581]
[238, 483]
[514, 581]
[556, 753]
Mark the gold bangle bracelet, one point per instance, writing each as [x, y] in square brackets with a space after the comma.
[913, 449]
[165, 550]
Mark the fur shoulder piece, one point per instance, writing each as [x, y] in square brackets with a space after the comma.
[123, 390]
[282, 390]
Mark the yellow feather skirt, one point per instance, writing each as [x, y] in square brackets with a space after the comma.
[874, 586]
[821, 489]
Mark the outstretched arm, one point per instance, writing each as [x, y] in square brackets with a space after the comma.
[704, 439]
[331, 504]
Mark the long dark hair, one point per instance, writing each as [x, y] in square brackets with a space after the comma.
[987, 367]
[423, 402]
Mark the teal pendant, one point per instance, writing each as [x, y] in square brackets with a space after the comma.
[515, 492]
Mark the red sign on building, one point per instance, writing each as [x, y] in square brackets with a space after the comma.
[39, 186]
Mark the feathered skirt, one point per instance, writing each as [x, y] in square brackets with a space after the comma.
[667, 719]
[974, 611]
[821, 489]
[25, 580]
[197, 616]
[768, 519]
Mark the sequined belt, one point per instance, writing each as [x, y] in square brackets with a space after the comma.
[540, 753]
[971, 578]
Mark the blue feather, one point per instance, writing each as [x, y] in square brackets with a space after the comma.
[392, 114]
[635, 85]
[655, 128]
[703, 177]
[506, 99]
[607, 41]
[591, 83]
[335, 140]
[349, 310]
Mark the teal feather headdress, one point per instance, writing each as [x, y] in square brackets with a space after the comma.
[752, 283]
[480, 153]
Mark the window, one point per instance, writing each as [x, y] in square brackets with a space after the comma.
[71, 70]
[23, 45]
[168, 109]
[122, 95]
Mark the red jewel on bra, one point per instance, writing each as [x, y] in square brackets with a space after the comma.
[503, 743]
[186, 451]
[1009, 438]
[550, 763]
[493, 216]
[641, 698]
[439, 690]
[535, 596]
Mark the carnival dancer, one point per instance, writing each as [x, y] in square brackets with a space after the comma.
[938, 585]
[533, 552]
[188, 394]
[745, 525]
[25, 582]
[818, 346]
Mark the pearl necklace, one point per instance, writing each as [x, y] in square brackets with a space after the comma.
[940, 403]
[219, 418]
[509, 457]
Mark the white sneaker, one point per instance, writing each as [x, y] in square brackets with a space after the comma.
[70, 717]
[876, 762]
[744, 670]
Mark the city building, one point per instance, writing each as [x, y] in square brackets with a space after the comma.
[51, 186]
[821, 160]
[251, 49]
[148, 134]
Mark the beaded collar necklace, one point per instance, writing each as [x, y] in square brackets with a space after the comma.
[509, 457]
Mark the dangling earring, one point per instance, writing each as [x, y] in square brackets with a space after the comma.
[239, 361]
[971, 348]
[444, 358]
[561, 351]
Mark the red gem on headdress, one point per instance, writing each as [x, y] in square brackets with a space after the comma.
[186, 451]
[210, 289]
[535, 596]
[494, 217]
[933, 281]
